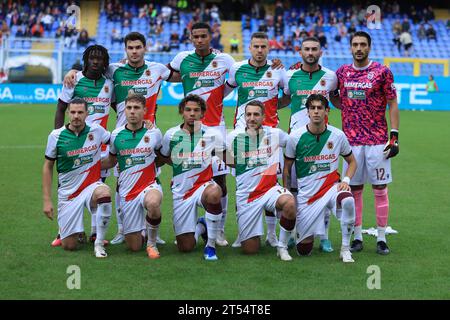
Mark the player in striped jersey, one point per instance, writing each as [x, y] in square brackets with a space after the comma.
[315, 150]
[304, 79]
[76, 148]
[133, 147]
[256, 80]
[92, 86]
[189, 149]
[255, 153]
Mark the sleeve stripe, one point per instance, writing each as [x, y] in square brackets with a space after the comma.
[348, 154]
[50, 158]
[230, 85]
[289, 157]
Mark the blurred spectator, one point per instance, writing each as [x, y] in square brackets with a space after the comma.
[342, 32]
[37, 30]
[258, 11]
[215, 14]
[166, 12]
[429, 14]
[77, 65]
[279, 10]
[289, 45]
[126, 23]
[215, 41]
[3, 76]
[406, 41]
[185, 37]
[20, 33]
[263, 28]
[431, 84]
[431, 33]
[47, 19]
[154, 46]
[406, 26]
[174, 41]
[323, 40]
[296, 34]
[415, 16]
[421, 32]
[448, 25]
[274, 45]
[116, 36]
[175, 17]
[279, 26]
[292, 19]
[4, 30]
[83, 39]
[165, 47]
[247, 25]
[397, 27]
[70, 37]
[234, 44]
[352, 29]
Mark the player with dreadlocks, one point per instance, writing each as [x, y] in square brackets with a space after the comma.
[92, 86]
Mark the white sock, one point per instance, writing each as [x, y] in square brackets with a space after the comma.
[224, 202]
[104, 211]
[118, 216]
[152, 232]
[284, 237]
[212, 223]
[199, 230]
[358, 233]
[327, 226]
[271, 226]
[346, 230]
[93, 223]
[381, 234]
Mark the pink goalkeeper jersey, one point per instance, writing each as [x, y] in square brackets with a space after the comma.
[363, 94]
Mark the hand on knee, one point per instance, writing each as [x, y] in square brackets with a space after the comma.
[305, 248]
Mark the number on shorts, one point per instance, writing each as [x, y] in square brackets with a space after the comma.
[380, 174]
[220, 166]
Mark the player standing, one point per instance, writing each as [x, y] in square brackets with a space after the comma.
[92, 86]
[133, 147]
[189, 149]
[255, 153]
[304, 79]
[76, 148]
[365, 87]
[315, 151]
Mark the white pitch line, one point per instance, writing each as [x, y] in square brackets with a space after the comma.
[23, 147]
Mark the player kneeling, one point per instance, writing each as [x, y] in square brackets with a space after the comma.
[315, 150]
[76, 150]
[189, 149]
[255, 153]
[133, 147]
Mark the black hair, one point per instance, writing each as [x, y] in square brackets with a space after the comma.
[99, 51]
[194, 98]
[136, 97]
[201, 25]
[317, 97]
[133, 36]
[361, 34]
[314, 39]
[259, 35]
[78, 100]
[255, 103]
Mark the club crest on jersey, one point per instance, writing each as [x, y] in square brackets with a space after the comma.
[269, 74]
[106, 89]
[323, 82]
[266, 141]
[146, 139]
[370, 75]
[203, 143]
[251, 93]
[147, 73]
[90, 137]
[77, 162]
[330, 145]
[214, 64]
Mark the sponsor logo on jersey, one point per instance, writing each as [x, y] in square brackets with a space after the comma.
[330, 145]
[319, 167]
[357, 85]
[146, 139]
[257, 93]
[308, 92]
[256, 153]
[269, 74]
[194, 154]
[250, 84]
[320, 157]
[127, 152]
[214, 64]
[204, 83]
[356, 94]
[87, 149]
[204, 74]
[96, 99]
[93, 109]
[90, 136]
[137, 82]
[140, 90]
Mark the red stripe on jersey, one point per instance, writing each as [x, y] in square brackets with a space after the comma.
[92, 177]
[271, 112]
[103, 121]
[203, 177]
[330, 180]
[268, 181]
[147, 178]
[214, 106]
[150, 104]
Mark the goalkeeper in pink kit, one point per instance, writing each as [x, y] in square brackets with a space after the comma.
[365, 88]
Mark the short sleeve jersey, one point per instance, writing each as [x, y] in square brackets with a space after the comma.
[97, 94]
[145, 80]
[191, 157]
[257, 83]
[205, 76]
[135, 151]
[77, 158]
[301, 84]
[256, 159]
[363, 96]
[316, 160]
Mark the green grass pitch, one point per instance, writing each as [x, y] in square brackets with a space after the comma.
[417, 268]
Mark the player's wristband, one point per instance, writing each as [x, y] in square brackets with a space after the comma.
[394, 134]
[346, 180]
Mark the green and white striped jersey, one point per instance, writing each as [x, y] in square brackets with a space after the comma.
[97, 93]
[205, 76]
[145, 80]
[135, 151]
[191, 157]
[316, 160]
[77, 158]
[257, 160]
[301, 84]
[257, 83]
